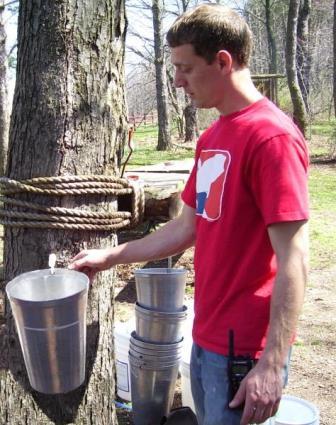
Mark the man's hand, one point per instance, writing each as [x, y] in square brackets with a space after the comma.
[92, 261]
[261, 390]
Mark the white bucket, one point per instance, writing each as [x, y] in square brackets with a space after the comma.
[122, 334]
[295, 411]
[187, 399]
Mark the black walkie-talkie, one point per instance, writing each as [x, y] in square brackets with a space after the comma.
[238, 367]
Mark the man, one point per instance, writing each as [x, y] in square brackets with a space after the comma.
[245, 210]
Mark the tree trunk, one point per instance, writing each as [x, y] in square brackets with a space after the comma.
[174, 99]
[334, 77]
[299, 113]
[272, 67]
[164, 139]
[303, 52]
[190, 119]
[3, 95]
[68, 118]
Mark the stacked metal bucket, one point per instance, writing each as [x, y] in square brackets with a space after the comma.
[156, 344]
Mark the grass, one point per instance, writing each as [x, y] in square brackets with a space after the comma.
[145, 131]
[322, 188]
[324, 128]
[145, 153]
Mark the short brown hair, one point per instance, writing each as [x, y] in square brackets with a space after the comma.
[210, 28]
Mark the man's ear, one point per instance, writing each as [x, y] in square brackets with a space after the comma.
[224, 60]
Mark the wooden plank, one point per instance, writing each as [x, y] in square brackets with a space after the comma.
[156, 180]
[183, 167]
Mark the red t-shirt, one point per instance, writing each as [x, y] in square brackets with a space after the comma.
[250, 171]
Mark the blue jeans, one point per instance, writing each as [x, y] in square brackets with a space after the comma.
[210, 388]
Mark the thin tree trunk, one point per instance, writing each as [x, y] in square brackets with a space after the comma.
[190, 118]
[304, 59]
[299, 110]
[3, 95]
[68, 118]
[334, 77]
[164, 138]
[172, 92]
[273, 66]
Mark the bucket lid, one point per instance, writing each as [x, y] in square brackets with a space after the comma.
[296, 411]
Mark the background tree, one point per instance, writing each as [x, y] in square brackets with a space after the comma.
[3, 93]
[68, 118]
[185, 120]
[164, 137]
[273, 67]
[303, 50]
[191, 126]
[298, 104]
[334, 57]
[189, 111]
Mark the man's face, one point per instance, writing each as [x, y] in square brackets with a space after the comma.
[203, 82]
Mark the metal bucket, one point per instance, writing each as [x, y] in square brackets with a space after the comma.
[157, 326]
[157, 353]
[161, 289]
[154, 363]
[156, 346]
[153, 358]
[50, 316]
[153, 388]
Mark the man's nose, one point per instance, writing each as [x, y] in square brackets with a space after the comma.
[179, 81]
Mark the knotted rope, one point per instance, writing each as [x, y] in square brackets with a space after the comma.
[69, 218]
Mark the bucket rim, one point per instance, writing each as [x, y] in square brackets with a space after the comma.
[162, 271]
[136, 340]
[314, 409]
[155, 355]
[159, 314]
[154, 350]
[145, 364]
[35, 273]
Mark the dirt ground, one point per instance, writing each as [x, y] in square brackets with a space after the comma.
[313, 363]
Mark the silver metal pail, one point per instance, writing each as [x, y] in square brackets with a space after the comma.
[159, 326]
[151, 357]
[156, 346]
[50, 316]
[152, 387]
[161, 289]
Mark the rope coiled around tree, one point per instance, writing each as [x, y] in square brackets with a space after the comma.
[69, 218]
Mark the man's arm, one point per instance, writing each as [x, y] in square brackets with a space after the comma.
[176, 236]
[262, 387]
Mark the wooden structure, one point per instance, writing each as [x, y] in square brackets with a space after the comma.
[163, 184]
[267, 84]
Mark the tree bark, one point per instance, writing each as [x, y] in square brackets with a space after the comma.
[299, 110]
[304, 59]
[190, 119]
[273, 66]
[68, 118]
[3, 95]
[164, 138]
[174, 99]
[334, 59]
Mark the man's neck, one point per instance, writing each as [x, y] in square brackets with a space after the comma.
[240, 92]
